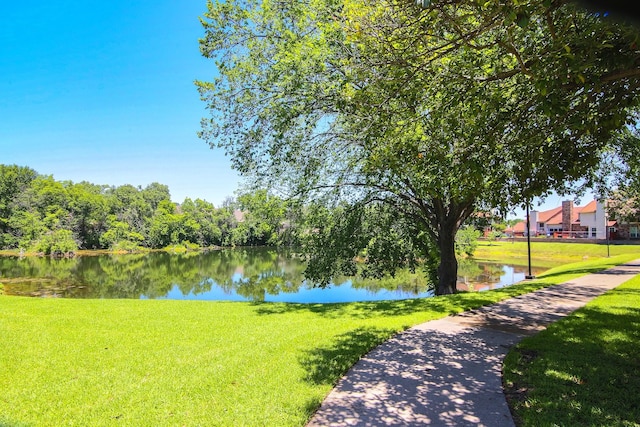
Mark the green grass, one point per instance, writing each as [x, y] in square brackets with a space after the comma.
[547, 254]
[583, 370]
[166, 363]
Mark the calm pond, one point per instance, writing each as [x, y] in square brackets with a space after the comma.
[238, 275]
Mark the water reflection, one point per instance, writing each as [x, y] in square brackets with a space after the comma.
[241, 275]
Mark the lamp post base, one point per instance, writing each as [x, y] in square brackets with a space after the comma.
[529, 277]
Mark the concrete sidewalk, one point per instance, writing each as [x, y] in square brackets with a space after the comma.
[447, 372]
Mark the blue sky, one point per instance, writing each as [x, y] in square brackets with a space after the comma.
[103, 92]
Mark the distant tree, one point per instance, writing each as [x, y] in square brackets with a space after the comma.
[155, 193]
[25, 227]
[264, 216]
[494, 235]
[120, 236]
[499, 226]
[50, 198]
[89, 212]
[127, 203]
[624, 204]
[207, 231]
[38, 212]
[163, 226]
[467, 240]
[14, 180]
[57, 242]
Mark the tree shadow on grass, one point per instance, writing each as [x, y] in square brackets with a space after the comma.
[596, 269]
[588, 361]
[326, 365]
[310, 408]
[364, 310]
[440, 306]
[6, 423]
[626, 292]
[443, 305]
[580, 270]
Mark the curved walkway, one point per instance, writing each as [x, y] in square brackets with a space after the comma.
[447, 372]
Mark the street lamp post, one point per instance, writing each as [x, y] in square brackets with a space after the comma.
[606, 225]
[530, 276]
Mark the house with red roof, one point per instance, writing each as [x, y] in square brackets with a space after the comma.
[517, 230]
[569, 221]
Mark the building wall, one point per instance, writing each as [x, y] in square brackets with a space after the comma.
[567, 215]
[597, 220]
[533, 223]
[588, 219]
[602, 219]
[579, 231]
[628, 231]
[590, 222]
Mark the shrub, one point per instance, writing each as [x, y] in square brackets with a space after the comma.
[126, 246]
[56, 242]
[467, 240]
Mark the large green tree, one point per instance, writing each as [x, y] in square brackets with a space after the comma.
[14, 180]
[88, 213]
[264, 216]
[431, 112]
[203, 213]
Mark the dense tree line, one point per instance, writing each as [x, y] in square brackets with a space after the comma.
[41, 214]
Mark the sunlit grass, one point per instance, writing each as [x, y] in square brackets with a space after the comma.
[166, 363]
[547, 254]
[583, 370]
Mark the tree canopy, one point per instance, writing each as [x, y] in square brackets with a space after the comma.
[41, 214]
[411, 118]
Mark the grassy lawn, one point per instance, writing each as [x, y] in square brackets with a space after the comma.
[547, 254]
[583, 370]
[158, 362]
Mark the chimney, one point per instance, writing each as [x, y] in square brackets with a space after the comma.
[533, 220]
[567, 215]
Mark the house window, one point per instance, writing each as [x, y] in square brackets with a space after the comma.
[593, 232]
[633, 232]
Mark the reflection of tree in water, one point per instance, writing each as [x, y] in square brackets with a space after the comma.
[124, 276]
[257, 273]
[40, 276]
[473, 276]
[468, 271]
[492, 272]
[252, 273]
[404, 281]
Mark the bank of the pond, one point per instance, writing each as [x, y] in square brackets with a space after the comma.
[548, 254]
[174, 249]
[158, 362]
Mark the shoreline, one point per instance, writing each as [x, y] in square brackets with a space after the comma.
[97, 252]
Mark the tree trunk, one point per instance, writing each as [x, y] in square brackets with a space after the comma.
[448, 268]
